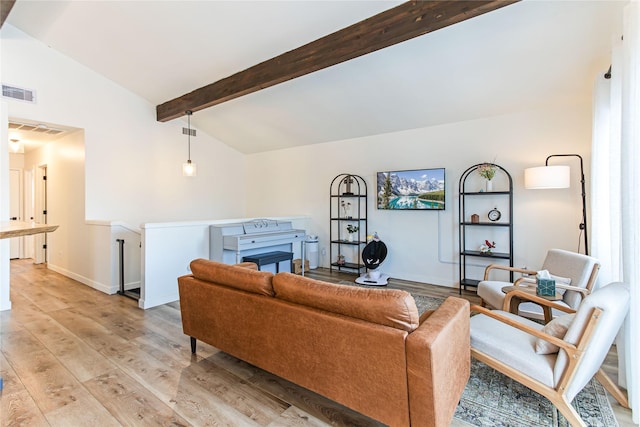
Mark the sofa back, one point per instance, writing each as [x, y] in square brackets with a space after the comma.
[387, 307]
[243, 276]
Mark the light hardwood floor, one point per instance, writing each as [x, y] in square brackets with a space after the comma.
[73, 356]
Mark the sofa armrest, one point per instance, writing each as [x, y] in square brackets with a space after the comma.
[439, 363]
[424, 316]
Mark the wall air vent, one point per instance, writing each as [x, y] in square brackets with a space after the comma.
[19, 93]
[185, 131]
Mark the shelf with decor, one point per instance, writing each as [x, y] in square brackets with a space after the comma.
[485, 224]
[501, 255]
[485, 217]
[348, 223]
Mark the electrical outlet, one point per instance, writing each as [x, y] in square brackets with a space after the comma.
[324, 252]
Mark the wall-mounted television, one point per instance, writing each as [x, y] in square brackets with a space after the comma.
[419, 189]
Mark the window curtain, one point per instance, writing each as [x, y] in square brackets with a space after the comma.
[606, 206]
[616, 189]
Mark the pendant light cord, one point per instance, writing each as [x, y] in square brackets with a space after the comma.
[189, 135]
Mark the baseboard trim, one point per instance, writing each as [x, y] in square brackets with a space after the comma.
[84, 280]
[164, 299]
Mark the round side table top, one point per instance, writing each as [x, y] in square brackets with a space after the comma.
[531, 290]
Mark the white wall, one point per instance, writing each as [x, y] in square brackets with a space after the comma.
[133, 163]
[131, 170]
[64, 160]
[423, 245]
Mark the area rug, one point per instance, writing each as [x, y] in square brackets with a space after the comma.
[493, 399]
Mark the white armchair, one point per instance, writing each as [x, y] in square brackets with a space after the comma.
[554, 361]
[576, 274]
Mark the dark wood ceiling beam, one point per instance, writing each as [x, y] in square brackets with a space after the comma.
[396, 25]
[5, 8]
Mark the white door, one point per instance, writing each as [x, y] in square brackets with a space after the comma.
[29, 212]
[40, 250]
[15, 214]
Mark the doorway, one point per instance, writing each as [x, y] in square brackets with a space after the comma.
[34, 160]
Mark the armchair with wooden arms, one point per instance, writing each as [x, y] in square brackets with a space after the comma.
[575, 276]
[558, 359]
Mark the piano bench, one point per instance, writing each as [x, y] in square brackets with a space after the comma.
[269, 258]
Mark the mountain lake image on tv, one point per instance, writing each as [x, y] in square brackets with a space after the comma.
[420, 189]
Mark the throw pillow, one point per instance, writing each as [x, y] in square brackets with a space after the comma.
[562, 281]
[557, 328]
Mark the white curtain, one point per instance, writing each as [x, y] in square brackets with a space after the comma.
[630, 185]
[606, 206]
[616, 189]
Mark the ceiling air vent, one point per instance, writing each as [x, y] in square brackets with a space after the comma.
[37, 128]
[19, 93]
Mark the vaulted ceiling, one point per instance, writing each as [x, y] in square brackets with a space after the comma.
[527, 55]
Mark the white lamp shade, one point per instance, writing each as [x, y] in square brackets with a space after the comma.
[189, 169]
[547, 177]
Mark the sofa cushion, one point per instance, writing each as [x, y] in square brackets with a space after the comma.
[389, 307]
[241, 276]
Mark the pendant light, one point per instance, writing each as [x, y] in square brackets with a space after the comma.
[189, 168]
[15, 146]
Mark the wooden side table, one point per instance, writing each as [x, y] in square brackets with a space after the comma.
[516, 300]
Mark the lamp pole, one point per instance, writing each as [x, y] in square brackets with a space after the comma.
[583, 225]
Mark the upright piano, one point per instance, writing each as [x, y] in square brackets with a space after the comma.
[229, 243]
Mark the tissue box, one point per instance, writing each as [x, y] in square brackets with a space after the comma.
[546, 287]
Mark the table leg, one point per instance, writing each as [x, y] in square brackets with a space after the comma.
[514, 304]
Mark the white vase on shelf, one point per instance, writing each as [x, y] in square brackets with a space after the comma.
[488, 185]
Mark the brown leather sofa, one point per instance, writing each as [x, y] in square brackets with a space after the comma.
[364, 348]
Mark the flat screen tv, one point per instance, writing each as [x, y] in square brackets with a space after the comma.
[419, 189]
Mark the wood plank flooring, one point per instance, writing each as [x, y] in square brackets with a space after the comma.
[73, 356]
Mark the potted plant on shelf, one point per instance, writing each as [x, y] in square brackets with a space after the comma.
[487, 171]
[351, 229]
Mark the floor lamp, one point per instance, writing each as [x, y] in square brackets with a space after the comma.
[547, 177]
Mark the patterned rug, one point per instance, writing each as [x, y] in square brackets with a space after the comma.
[492, 399]
[427, 303]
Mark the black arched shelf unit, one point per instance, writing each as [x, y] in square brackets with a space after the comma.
[484, 214]
[348, 210]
